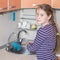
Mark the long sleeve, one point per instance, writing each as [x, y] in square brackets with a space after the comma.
[39, 39]
[44, 43]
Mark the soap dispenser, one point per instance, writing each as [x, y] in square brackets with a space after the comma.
[13, 16]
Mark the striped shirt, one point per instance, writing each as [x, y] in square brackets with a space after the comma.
[44, 43]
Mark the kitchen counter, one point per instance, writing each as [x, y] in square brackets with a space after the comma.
[4, 55]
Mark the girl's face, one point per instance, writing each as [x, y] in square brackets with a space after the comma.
[41, 17]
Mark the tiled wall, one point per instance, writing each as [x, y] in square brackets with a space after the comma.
[7, 26]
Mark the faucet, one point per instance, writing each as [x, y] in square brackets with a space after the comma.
[18, 36]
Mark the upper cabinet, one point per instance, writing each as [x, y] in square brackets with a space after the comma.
[55, 3]
[8, 5]
[26, 3]
[32, 3]
[3, 5]
[14, 4]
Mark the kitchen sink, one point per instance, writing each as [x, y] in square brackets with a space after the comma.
[22, 51]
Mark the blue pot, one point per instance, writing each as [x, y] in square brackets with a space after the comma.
[16, 46]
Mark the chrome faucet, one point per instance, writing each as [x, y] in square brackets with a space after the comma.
[19, 35]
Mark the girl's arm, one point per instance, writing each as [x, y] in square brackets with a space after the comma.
[39, 39]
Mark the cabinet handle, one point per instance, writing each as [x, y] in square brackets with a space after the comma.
[13, 6]
[4, 8]
[57, 34]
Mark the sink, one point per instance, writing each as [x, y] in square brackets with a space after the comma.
[22, 51]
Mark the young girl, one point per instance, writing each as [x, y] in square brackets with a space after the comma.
[45, 40]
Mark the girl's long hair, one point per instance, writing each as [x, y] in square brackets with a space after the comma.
[49, 11]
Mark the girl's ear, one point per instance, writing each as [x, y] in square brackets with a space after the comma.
[49, 17]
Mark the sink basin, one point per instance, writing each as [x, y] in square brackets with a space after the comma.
[22, 51]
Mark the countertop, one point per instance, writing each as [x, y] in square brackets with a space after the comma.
[4, 55]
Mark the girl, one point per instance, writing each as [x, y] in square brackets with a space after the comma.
[45, 40]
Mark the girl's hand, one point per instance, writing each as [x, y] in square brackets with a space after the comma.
[30, 41]
[27, 43]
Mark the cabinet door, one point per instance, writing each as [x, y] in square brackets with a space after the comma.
[27, 3]
[56, 3]
[3, 5]
[14, 4]
[43, 2]
[31, 3]
[58, 58]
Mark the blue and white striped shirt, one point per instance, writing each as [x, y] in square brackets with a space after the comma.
[44, 43]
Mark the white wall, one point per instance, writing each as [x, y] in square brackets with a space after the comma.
[57, 14]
